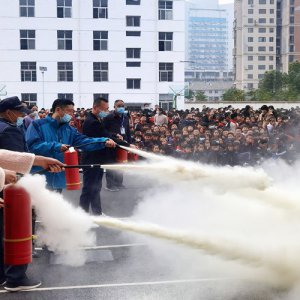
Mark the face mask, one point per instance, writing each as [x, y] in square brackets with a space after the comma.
[121, 110]
[102, 114]
[66, 118]
[19, 121]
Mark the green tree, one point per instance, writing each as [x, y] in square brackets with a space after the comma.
[200, 96]
[234, 94]
[294, 77]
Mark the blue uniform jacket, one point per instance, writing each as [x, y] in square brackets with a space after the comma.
[45, 137]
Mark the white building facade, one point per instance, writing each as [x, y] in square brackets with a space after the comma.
[120, 49]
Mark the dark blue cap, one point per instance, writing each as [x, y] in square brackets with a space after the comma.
[13, 103]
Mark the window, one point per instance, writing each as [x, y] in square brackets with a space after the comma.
[133, 52]
[261, 76]
[262, 49]
[250, 86]
[261, 67]
[133, 2]
[250, 76]
[262, 11]
[250, 39]
[165, 71]
[250, 49]
[271, 48]
[262, 20]
[271, 30]
[272, 20]
[100, 40]
[64, 8]
[28, 71]
[165, 10]
[26, 8]
[270, 67]
[100, 10]
[165, 41]
[250, 30]
[100, 71]
[262, 39]
[133, 64]
[250, 11]
[64, 39]
[250, 20]
[262, 30]
[64, 71]
[262, 1]
[250, 2]
[133, 33]
[133, 21]
[261, 58]
[250, 58]
[271, 58]
[271, 11]
[250, 67]
[271, 39]
[105, 96]
[27, 39]
[133, 83]
[29, 98]
[67, 96]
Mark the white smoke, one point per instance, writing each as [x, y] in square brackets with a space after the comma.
[65, 229]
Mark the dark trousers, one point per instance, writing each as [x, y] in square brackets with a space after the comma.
[114, 178]
[12, 274]
[90, 195]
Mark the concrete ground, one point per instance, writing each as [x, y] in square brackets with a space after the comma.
[121, 268]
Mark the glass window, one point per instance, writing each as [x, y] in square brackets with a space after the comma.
[100, 71]
[165, 41]
[133, 52]
[67, 96]
[133, 21]
[64, 39]
[133, 83]
[29, 98]
[133, 2]
[165, 71]
[100, 9]
[27, 39]
[165, 10]
[64, 8]
[133, 64]
[28, 71]
[133, 33]
[64, 71]
[100, 40]
[27, 8]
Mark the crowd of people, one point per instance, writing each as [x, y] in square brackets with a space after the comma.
[223, 136]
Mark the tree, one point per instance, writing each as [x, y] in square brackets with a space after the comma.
[294, 77]
[234, 94]
[200, 96]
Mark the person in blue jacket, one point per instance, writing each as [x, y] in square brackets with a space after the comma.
[53, 135]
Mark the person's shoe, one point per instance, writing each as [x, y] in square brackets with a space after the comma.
[112, 189]
[24, 285]
[2, 282]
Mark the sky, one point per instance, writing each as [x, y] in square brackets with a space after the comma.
[225, 1]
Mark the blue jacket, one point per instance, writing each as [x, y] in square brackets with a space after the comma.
[45, 137]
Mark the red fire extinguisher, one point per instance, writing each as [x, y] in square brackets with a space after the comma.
[17, 226]
[72, 175]
[132, 157]
[122, 155]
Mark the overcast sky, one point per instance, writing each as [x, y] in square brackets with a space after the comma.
[225, 1]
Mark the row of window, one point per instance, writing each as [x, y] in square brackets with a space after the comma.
[252, 2]
[261, 11]
[260, 67]
[260, 58]
[100, 9]
[100, 40]
[260, 30]
[260, 49]
[31, 98]
[261, 20]
[100, 72]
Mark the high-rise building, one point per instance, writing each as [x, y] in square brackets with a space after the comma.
[128, 49]
[207, 43]
[266, 37]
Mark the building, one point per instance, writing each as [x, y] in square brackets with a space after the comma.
[207, 43]
[266, 37]
[128, 49]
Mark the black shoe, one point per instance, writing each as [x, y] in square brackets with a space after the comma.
[24, 285]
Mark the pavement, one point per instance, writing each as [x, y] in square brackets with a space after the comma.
[122, 267]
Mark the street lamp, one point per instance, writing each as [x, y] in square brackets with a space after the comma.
[43, 70]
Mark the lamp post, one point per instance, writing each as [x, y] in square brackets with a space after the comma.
[43, 70]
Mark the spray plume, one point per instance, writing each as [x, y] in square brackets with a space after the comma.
[65, 229]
